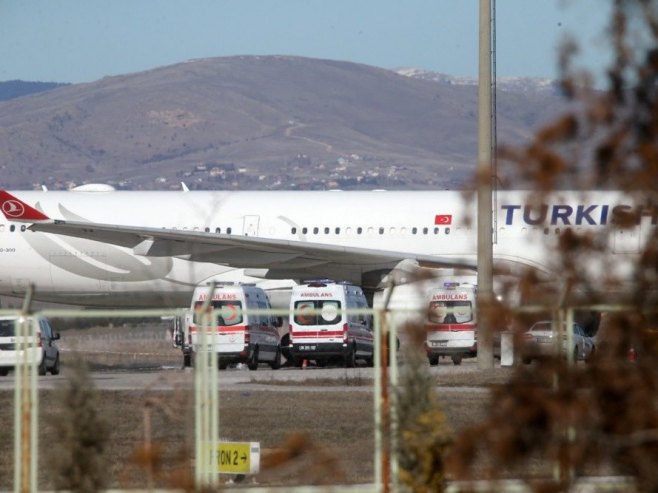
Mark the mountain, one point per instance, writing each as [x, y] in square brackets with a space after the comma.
[257, 122]
[16, 88]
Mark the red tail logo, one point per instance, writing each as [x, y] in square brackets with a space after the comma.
[17, 210]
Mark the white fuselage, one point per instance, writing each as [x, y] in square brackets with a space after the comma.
[442, 223]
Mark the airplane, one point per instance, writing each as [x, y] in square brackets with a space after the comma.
[96, 246]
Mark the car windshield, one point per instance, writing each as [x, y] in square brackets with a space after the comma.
[546, 327]
[7, 328]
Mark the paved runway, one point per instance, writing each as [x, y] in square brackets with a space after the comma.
[168, 378]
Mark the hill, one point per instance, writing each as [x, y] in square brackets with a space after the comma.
[16, 88]
[254, 122]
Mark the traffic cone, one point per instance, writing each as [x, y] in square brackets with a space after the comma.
[632, 355]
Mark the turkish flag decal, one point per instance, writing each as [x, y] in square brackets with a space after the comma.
[443, 219]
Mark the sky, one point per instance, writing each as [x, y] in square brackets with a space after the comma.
[85, 40]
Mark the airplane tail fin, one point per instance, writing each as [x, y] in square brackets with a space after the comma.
[15, 209]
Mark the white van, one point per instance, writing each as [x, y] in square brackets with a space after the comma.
[323, 326]
[240, 335]
[451, 325]
[42, 350]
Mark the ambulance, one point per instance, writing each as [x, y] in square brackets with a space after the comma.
[239, 329]
[325, 325]
[451, 326]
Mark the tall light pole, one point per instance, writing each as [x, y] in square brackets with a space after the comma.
[484, 192]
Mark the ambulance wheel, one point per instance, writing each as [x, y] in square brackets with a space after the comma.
[456, 360]
[4, 372]
[222, 365]
[252, 362]
[42, 366]
[285, 347]
[591, 356]
[276, 364]
[55, 369]
[434, 360]
[350, 357]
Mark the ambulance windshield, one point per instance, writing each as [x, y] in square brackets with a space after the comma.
[229, 312]
[450, 312]
[317, 312]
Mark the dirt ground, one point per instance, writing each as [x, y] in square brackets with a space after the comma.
[332, 431]
[326, 436]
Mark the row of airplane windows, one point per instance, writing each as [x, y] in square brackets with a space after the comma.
[359, 230]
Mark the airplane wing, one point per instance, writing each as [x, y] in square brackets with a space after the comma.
[281, 256]
[239, 251]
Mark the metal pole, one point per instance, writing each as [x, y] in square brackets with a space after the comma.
[377, 404]
[206, 401]
[385, 404]
[393, 413]
[484, 192]
[26, 403]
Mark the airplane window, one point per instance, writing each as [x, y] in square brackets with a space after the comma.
[392, 231]
[337, 231]
[218, 230]
[359, 230]
[326, 231]
[12, 228]
[545, 231]
[23, 228]
[436, 231]
[228, 231]
[381, 231]
[447, 230]
[207, 230]
[371, 230]
[403, 231]
[315, 231]
[304, 230]
[414, 231]
[424, 231]
[195, 228]
[293, 231]
[2, 228]
[557, 230]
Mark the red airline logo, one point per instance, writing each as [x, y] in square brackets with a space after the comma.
[443, 219]
[14, 208]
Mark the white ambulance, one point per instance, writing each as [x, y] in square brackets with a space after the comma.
[325, 325]
[451, 326]
[237, 324]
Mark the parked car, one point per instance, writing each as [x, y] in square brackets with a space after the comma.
[43, 349]
[540, 340]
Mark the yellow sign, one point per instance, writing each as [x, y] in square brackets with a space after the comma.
[238, 457]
